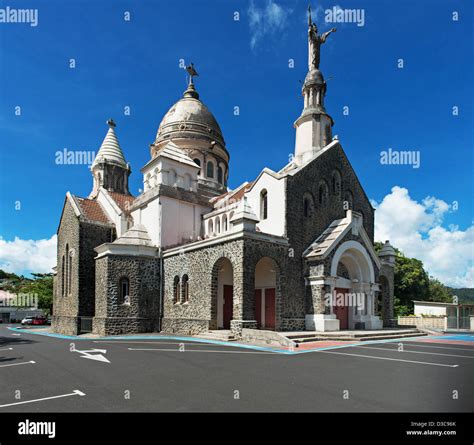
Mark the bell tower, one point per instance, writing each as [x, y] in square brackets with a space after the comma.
[109, 169]
[314, 126]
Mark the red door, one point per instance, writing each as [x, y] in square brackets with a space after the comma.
[258, 307]
[228, 305]
[270, 308]
[341, 311]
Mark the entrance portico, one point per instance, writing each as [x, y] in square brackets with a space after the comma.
[342, 283]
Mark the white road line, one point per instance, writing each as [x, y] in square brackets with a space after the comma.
[414, 352]
[16, 364]
[17, 335]
[202, 350]
[162, 343]
[391, 359]
[76, 392]
[419, 345]
[7, 349]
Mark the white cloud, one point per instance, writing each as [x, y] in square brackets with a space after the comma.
[24, 256]
[268, 20]
[417, 229]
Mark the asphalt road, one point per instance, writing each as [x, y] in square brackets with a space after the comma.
[153, 375]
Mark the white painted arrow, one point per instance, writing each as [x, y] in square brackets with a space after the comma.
[98, 357]
[76, 392]
[7, 349]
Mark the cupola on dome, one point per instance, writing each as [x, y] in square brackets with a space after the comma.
[189, 118]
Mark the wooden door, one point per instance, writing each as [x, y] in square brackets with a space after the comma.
[270, 308]
[341, 312]
[258, 307]
[228, 305]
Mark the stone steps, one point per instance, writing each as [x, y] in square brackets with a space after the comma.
[363, 336]
[220, 335]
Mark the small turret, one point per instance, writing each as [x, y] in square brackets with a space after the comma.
[387, 254]
[109, 169]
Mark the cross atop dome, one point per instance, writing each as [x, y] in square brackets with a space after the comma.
[111, 123]
[192, 72]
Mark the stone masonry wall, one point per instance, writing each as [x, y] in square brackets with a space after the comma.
[301, 230]
[142, 313]
[66, 305]
[201, 266]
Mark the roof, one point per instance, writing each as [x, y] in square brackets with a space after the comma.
[123, 201]
[236, 194]
[189, 117]
[110, 150]
[173, 152]
[92, 210]
[135, 236]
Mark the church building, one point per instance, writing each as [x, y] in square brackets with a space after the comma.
[290, 250]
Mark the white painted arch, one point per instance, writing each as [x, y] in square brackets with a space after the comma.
[357, 260]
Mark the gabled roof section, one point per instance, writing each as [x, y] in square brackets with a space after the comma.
[123, 201]
[173, 152]
[236, 194]
[333, 235]
[92, 210]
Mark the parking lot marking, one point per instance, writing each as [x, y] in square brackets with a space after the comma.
[16, 335]
[201, 350]
[16, 364]
[419, 345]
[157, 342]
[7, 349]
[415, 352]
[76, 392]
[391, 359]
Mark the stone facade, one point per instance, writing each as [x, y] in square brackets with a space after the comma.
[332, 175]
[141, 312]
[201, 266]
[74, 291]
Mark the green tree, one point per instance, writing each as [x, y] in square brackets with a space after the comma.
[439, 292]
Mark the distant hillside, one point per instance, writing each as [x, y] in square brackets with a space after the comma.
[465, 294]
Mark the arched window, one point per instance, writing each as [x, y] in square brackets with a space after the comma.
[198, 162]
[323, 193]
[224, 223]
[176, 290]
[172, 178]
[124, 291]
[336, 183]
[210, 227]
[63, 291]
[67, 268]
[210, 169]
[347, 200]
[263, 205]
[308, 205]
[185, 290]
[187, 181]
[219, 175]
[69, 272]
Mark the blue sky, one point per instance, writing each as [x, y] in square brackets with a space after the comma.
[242, 63]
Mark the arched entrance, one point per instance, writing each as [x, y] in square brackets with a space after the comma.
[353, 295]
[222, 294]
[265, 293]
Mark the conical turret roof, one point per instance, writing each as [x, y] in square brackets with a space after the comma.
[110, 150]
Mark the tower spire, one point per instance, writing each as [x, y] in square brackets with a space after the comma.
[313, 127]
[109, 169]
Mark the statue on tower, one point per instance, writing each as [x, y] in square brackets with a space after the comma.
[315, 42]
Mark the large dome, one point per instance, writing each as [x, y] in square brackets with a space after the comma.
[189, 118]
